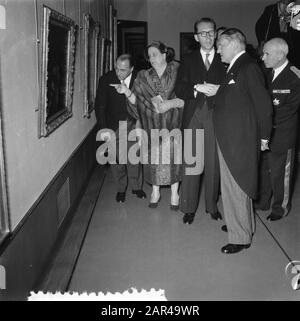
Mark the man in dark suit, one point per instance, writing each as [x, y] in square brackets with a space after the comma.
[278, 164]
[243, 124]
[110, 108]
[275, 22]
[197, 82]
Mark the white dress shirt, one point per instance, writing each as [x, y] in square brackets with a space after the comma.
[127, 80]
[235, 59]
[278, 70]
[210, 59]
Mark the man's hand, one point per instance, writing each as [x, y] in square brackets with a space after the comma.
[264, 144]
[121, 89]
[207, 89]
[105, 136]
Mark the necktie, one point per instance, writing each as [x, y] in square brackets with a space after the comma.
[206, 62]
[272, 73]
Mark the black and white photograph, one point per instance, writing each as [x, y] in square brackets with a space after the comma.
[149, 154]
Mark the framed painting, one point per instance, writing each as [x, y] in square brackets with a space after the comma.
[102, 53]
[91, 35]
[106, 61]
[115, 28]
[112, 34]
[57, 71]
[187, 43]
[4, 217]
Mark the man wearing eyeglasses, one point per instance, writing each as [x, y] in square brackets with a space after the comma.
[198, 80]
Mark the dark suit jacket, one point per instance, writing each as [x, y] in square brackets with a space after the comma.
[192, 71]
[285, 92]
[267, 27]
[242, 117]
[111, 107]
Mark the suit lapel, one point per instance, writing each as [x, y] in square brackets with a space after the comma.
[133, 76]
[233, 71]
[199, 64]
[282, 77]
[115, 78]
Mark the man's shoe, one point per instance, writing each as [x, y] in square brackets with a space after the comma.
[188, 218]
[215, 216]
[139, 193]
[120, 197]
[274, 217]
[224, 228]
[234, 248]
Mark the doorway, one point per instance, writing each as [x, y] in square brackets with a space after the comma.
[132, 39]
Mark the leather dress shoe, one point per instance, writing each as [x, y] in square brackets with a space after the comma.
[120, 197]
[139, 193]
[188, 218]
[274, 217]
[174, 207]
[154, 204]
[234, 248]
[215, 216]
[224, 228]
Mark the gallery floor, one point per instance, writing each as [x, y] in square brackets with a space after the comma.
[130, 245]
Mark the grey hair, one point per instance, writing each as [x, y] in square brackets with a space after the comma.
[234, 34]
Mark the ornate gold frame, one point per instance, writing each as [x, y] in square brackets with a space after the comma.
[57, 70]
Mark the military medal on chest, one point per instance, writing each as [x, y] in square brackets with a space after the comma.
[276, 102]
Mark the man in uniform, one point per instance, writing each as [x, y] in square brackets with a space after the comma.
[277, 168]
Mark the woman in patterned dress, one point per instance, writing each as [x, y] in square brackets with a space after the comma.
[153, 103]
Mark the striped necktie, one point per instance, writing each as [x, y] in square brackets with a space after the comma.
[206, 62]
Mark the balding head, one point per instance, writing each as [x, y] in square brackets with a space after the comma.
[275, 52]
[278, 44]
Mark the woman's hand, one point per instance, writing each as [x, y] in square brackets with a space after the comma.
[163, 106]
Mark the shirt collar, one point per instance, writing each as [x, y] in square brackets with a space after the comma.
[128, 79]
[211, 54]
[235, 59]
[278, 70]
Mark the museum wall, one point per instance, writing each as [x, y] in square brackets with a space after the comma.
[167, 18]
[32, 162]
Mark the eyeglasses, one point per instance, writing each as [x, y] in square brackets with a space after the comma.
[203, 34]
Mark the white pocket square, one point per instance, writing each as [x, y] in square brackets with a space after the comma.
[231, 82]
